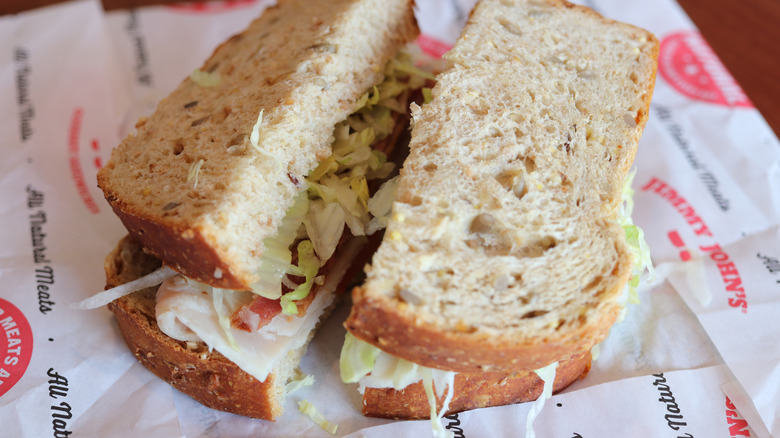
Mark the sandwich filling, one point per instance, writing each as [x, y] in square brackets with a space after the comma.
[303, 264]
[370, 367]
[299, 274]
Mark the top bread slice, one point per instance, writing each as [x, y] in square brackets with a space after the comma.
[504, 251]
[211, 174]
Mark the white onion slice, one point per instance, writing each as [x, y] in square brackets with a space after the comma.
[547, 374]
[102, 298]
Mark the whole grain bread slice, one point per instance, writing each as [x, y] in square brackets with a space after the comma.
[505, 251]
[207, 376]
[211, 174]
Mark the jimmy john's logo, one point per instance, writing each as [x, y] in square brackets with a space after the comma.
[728, 271]
[211, 7]
[689, 65]
[15, 346]
[729, 274]
[737, 425]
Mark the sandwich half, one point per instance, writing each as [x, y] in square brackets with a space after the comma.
[510, 246]
[248, 195]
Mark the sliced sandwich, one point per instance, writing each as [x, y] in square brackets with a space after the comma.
[248, 194]
[510, 251]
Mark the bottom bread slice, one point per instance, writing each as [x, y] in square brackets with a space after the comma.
[206, 376]
[472, 391]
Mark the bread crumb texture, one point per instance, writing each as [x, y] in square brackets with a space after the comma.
[225, 154]
[512, 189]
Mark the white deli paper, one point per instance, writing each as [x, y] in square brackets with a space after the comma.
[699, 357]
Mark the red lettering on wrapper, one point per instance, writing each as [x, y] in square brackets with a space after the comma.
[96, 147]
[16, 344]
[680, 204]
[74, 160]
[689, 65]
[677, 241]
[737, 425]
[729, 274]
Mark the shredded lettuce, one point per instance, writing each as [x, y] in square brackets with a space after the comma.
[204, 78]
[391, 372]
[362, 362]
[343, 178]
[295, 385]
[308, 265]
[428, 383]
[310, 411]
[635, 238]
[326, 193]
[427, 95]
[595, 352]
[381, 205]
[194, 171]
[377, 160]
[326, 166]
[254, 138]
[360, 187]
[340, 181]
[357, 359]
[355, 214]
[403, 64]
[324, 224]
[277, 257]
[371, 367]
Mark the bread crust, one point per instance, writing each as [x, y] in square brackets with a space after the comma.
[472, 391]
[184, 248]
[425, 344]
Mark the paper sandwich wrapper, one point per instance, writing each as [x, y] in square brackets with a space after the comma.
[700, 356]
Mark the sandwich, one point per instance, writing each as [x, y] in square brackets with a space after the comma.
[250, 191]
[510, 251]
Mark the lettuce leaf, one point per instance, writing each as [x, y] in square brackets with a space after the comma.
[204, 78]
[357, 359]
[277, 258]
[308, 266]
[310, 411]
[635, 237]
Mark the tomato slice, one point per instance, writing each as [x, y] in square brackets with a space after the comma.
[267, 309]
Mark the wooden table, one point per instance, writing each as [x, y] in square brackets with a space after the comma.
[745, 34]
